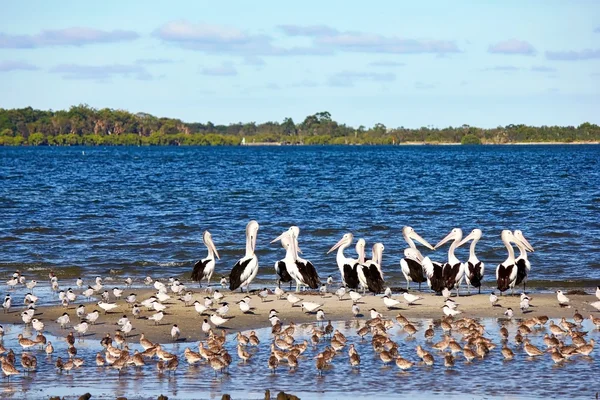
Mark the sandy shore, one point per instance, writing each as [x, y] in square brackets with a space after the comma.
[188, 320]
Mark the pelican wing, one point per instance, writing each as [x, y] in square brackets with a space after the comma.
[240, 273]
[351, 276]
[308, 273]
[503, 276]
[475, 273]
[433, 270]
[282, 272]
[199, 267]
[521, 271]
[375, 281]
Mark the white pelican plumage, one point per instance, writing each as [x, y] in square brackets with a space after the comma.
[412, 263]
[369, 271]
[299, 269]
[246, 268]
[346, 265]
[473, 267]
[506, 273]
[205, 267]
[523, 264]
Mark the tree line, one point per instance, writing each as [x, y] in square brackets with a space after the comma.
[84, 125]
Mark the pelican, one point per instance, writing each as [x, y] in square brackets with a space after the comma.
[523, 264]
[245, 269]
[369, 272]
[506, 273]
[298, 269]
[205, 267]
[453, 271]
[473, 268]
[347, 266]
[412, 263]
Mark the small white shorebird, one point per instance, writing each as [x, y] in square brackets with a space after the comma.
[156, 317]
[63, 320]
[451, 303]
[107, 306]
[450, 312]
[175, 332]
[509, 313]
[355, 310]
[81, 328]
[355, 296]
[217, 320]
[279, 292]
[563, 300]
[411, 298]
[293, 299]
[340, 293]
[127, 328]
[136, 311]
[199, 307]
[37, 325]
[320, 315]
[80, 311]
[92, 317]
[309, 306]
[244, 306]
[117, 293]
[524, 304]
[493, 299]
[374, 313]
[131, 299]
[389, 302]
[223, 310]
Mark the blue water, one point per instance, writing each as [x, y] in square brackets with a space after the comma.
[142, 211]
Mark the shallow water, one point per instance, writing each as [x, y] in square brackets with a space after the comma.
[492, 377]
[139, 211]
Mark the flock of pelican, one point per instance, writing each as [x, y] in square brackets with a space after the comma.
[367, 274]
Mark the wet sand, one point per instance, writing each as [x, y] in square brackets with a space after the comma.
[189, 321]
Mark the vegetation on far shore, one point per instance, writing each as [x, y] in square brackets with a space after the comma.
[84, 125]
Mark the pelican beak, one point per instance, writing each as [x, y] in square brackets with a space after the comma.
[211, 245]
[444, 240]
[418, 238]
[526, 244]
[338, 244]
[466, 239]
[278, 238]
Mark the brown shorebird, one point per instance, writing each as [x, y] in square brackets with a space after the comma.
[403, 363]
[531, 350]
[7, 368]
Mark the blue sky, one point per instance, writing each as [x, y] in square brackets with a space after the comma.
[409, 63]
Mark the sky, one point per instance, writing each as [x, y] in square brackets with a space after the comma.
[399, 63]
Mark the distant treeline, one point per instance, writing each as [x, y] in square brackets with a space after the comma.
[84, 125]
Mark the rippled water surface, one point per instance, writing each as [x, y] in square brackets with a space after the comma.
[143, 210]
[491, 377]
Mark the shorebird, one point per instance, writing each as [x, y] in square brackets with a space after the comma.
[223, 310]
[563, 300]
[293, 299]
[320, 316]
[63, 320]
[309, 306]
[37, 325]
[156, 317]
[411, 298]
[531, 350]
[175, 332]
[263, 294]
[389, 302]
[355, 310]
[244, 306]
[81, 328]
[7, 368]
[493, 299]
[107, 306]
[136, 311]
[127, 328]
[340, 293]
[205, 268]
[217, 320]
[355, 296]
[450, 312]
[509, 313]
[206, 326]
[507, 353]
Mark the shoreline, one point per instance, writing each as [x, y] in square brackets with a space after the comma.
[188, 320]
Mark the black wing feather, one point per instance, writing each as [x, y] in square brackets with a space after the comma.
[437, 280]
[284, 275]
[474, 272]
[198, 271]
[236, 274]
[521, 271]
[351, 276]
[375, 282]
[309, 274]
[449, 273]
[504, 277]
[416, 271]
